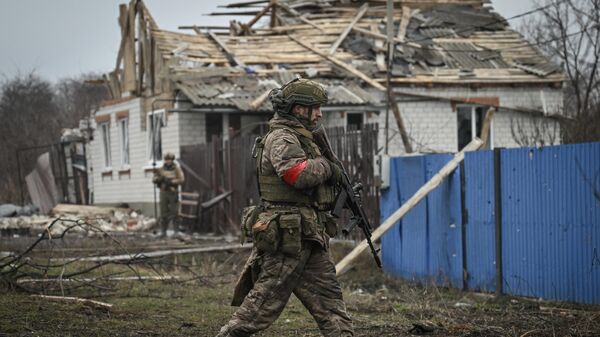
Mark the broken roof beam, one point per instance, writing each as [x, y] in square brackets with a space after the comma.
[257, 17]
[383, 37]
[362, 10]
[230, 56]
[337, 62]
[244, 4]
[295, 13]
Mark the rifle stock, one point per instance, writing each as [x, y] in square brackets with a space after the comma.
[349, 196]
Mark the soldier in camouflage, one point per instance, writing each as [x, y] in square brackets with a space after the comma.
[168, 178]
[292, 226]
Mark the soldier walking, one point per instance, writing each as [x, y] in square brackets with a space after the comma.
[291, 227]
[167, 179]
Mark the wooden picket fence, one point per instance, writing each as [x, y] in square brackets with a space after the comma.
[220, 166]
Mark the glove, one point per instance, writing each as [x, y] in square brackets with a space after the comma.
[336, 172]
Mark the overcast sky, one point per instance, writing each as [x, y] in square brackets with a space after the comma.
[64, 38]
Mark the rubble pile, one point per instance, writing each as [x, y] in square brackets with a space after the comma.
[99, 219]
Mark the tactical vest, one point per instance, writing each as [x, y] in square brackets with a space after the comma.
[273, 189]
[171, 174]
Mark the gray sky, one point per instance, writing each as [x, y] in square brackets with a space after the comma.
[64, 38]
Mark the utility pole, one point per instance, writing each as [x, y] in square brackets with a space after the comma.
[390, 43]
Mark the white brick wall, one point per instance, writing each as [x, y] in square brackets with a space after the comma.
[432, 125]
[135, 187]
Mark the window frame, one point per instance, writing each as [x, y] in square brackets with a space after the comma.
[124, 142]
[150, 154]
[473, 111]
[106, 146]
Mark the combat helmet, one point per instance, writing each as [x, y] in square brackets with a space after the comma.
[169, 156]
[298, 91]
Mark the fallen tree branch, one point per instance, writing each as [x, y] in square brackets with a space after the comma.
[76, 300]
[160, 253]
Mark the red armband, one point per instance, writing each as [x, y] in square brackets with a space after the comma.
[291, 175]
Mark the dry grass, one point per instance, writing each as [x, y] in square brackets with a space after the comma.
[197, 302]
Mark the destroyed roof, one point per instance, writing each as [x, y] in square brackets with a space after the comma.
[449, 42]
[247, 92]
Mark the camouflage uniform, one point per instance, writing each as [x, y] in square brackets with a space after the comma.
[297, 260]
[169, 195]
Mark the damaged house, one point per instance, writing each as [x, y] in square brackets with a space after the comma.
[452, 60]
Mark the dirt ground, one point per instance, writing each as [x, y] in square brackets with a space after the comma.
[195, 301]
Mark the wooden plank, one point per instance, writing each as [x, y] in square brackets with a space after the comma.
[347, 67]
[406, 14]
[232, 59]
[129, 72]
[380, 56]
[487, 122]
[434, 182]
[257, 17]
[362, 10]
[383, 37]
[295, 13]
[260, 99]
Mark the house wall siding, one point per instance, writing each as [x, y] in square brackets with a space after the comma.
[432, 125]
[134, 187]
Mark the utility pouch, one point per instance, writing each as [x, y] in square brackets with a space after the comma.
[266, 233]
[326, 194]
[291, 236]
[329, 222]
[249, 217]
[310, 221]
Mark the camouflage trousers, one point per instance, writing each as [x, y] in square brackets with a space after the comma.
[169, 208]
[311, 277]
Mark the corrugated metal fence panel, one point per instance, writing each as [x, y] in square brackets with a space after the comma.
[551, 222]
[408, 240]
[426, 244]
[480, 228]
[444, 225]
[390, 241]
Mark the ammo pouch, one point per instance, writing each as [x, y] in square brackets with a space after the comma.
[290, 226]
[278, 231]
[249, 217]
[266, 232]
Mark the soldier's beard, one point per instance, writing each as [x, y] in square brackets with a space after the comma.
[307, 121]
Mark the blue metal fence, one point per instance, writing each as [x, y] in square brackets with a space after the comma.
[550, 222]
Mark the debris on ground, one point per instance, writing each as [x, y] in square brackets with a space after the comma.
[104, 219]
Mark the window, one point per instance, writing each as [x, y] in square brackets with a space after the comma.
[124, 138]
[355, 121]
[470, 121]
[155, 124]
[105, 133]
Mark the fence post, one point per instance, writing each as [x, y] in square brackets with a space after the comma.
[498, 218]
[463, 228]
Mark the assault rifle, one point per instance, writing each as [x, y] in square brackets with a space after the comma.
[349, 197]
[162, 181]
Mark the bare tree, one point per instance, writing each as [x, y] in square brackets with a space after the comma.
[34, 111]
[568, 32]
[77, 97]
[29, 118]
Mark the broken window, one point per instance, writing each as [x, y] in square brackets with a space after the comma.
[469, 122]
[155, 124]
[105, 130]
[354, 121]
[124, 140]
